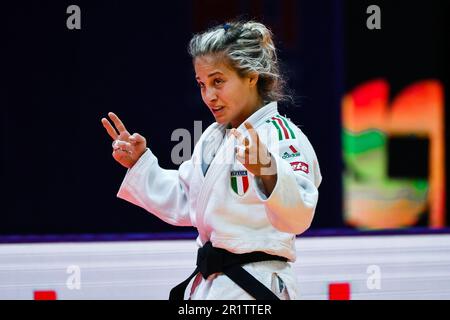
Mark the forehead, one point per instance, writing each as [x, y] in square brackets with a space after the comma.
[206, 65]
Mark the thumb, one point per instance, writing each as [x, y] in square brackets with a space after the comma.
[136, 138]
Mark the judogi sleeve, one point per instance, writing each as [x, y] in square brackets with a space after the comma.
[291, 205]
[162, 192]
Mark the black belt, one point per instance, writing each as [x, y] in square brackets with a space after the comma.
[211, 260]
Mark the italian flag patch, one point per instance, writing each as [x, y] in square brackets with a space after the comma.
[239, 182]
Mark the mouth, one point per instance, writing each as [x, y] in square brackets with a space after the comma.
[217, 110]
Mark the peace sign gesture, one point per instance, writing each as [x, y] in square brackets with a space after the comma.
[253, 153]
[127, 149]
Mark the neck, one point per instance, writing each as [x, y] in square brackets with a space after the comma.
[251, 110]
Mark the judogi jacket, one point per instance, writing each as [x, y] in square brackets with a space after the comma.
[227, 204]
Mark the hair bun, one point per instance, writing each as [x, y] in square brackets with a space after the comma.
[265, 34]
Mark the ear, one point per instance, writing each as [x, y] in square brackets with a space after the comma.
[253, 78]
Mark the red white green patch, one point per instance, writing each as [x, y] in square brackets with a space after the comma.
[282, 126]
[239, 181]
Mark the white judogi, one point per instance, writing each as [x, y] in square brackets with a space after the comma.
[228, 205]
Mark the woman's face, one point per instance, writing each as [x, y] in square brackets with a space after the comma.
[230, 98]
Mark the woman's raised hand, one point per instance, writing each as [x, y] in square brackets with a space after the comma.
[253, 153]
[127, 149]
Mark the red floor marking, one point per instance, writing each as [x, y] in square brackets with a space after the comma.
[339, 291]
[44, 295]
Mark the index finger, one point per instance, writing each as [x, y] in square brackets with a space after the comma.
[110, 129]
[240, 137]
[117, 122]
[252, 131]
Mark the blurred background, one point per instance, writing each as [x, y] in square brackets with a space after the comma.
[373, 103]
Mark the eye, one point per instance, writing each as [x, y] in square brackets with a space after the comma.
[201, 85]
[218, 81]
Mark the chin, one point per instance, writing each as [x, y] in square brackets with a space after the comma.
[222, 121]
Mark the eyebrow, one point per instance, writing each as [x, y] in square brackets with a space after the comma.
[210, 75]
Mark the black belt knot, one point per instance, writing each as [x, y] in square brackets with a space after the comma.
[212, 260]
[209, 260]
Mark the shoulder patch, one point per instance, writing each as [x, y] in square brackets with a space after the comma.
[291, 153]
[300, 166]
[282, 125]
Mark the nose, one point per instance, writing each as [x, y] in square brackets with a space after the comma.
[210, 94]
